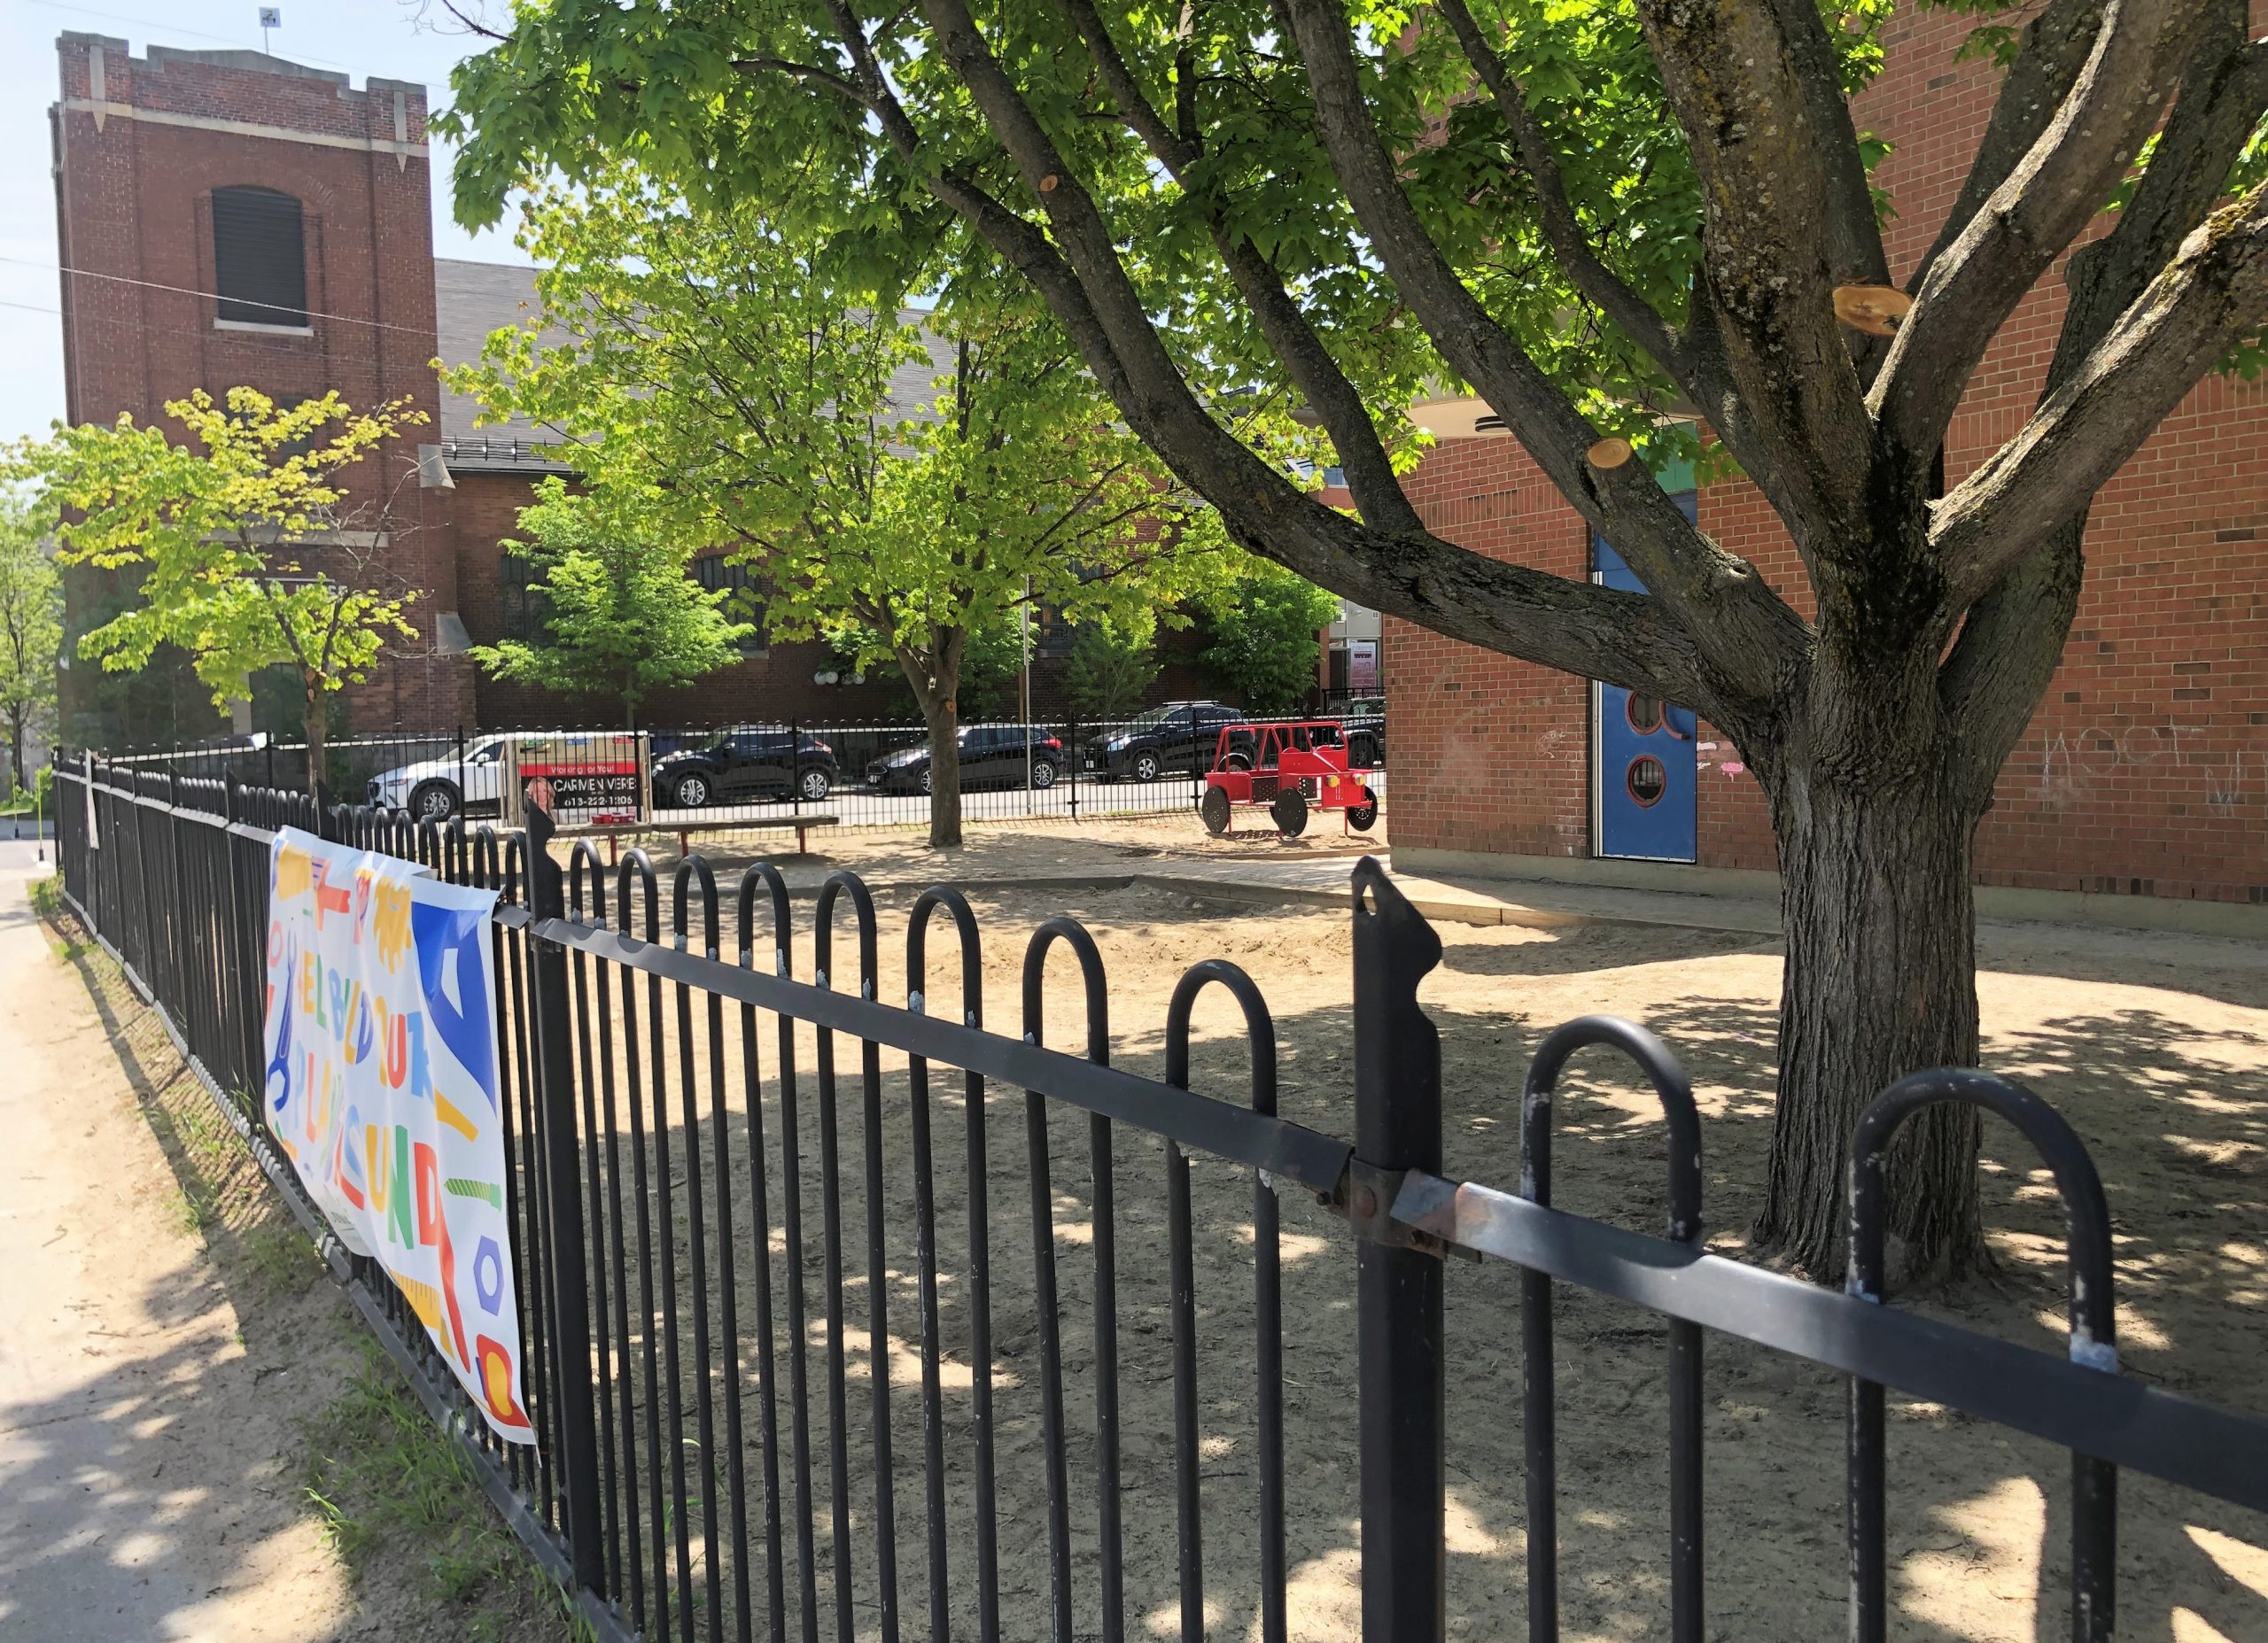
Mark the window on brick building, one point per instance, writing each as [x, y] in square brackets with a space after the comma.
[719, 575]
[523, 602]
[260, 257]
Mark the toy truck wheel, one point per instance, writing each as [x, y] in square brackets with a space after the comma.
[1362, 817]
[1212, 810]
[1290, 812]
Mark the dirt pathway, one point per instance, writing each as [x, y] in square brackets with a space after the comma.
[147, 1486]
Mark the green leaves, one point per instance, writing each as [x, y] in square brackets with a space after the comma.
[623, 617]
[259, 543]
[739, 378]
[31, 619]
[1259, 637]
[742, 104]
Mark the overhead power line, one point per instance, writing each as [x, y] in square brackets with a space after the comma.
[185, 290]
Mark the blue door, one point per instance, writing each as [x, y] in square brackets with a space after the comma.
[1643, 772]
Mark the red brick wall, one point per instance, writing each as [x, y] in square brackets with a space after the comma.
[133, 206]
[2145, 769]
[1488, 753]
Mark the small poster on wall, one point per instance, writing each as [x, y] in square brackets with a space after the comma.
[382, 1088]
[1362, 667]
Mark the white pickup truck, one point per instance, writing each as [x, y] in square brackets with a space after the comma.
[440, 789]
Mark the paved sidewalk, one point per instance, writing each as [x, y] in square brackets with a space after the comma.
[145, 1474]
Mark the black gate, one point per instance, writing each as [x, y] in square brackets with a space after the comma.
[795, 1374]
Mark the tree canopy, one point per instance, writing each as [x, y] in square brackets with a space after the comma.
[1587, 213]
[252, 545]
[1259, 637]
[900, 480]
[31, 623]
[622, 616]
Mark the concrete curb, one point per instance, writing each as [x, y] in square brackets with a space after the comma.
[1477, 913]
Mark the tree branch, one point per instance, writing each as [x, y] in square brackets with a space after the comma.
[2040, 206]
[2056, 45]
[1571, 626]
[1370, 477]
[2012, 639]
[2223, 97]
[1854, 248]
[1561, 226]
[2214, 293]
[1748, 633]
[1733, 79]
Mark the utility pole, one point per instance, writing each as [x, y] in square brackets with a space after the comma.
[1024, 627]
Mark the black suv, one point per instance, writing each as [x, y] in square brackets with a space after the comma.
[1178, 738]
[743, 764]
[1364, 718]
[991, 755]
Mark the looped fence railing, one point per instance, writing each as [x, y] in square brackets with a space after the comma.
[1539, 1403]
[2093, 1339]
[660, 1184]
[1267, 1306]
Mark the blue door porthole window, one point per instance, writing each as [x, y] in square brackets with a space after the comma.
[1644, 776]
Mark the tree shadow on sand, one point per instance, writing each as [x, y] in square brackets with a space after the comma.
[1977, 1525]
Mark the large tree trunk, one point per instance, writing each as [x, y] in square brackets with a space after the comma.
[1879, 919]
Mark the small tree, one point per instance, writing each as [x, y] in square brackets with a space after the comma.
[622, 616]
[1111, 670]
[31, 625]
[1259, 637]
[906, 486]
[253, 552]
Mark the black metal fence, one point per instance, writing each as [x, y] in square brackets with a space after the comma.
[795, 1372]
[852, 775]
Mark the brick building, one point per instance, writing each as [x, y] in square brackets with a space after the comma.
[228, 217]
[2143, 779]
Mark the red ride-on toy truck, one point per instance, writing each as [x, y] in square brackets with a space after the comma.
[1290, 767]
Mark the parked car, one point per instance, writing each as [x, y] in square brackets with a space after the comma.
[436, 789]
[1177, 738]
[991, 755]
[756, 762]
[1364, 718]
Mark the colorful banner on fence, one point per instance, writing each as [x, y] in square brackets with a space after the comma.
[382, 1087]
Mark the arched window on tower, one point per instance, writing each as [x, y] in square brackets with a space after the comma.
[259, 259]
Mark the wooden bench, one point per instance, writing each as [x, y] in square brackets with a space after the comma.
[799, 823]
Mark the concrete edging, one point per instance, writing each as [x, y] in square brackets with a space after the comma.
[2186, 916]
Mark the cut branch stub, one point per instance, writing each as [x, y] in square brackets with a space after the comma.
[1608, 453]
[1874, 309]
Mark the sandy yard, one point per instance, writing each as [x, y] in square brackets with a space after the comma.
[2155, 1046]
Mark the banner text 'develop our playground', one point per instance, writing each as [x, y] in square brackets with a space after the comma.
[383, 1088]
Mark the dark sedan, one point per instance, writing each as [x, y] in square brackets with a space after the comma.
[991, 755]
[763, 763]
[1175, 738]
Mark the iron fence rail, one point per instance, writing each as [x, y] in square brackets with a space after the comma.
[714, 1252]
[815, 767]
